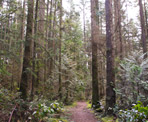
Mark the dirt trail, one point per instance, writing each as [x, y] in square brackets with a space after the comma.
[80, 113]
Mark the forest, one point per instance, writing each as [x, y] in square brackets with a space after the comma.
[73, 61]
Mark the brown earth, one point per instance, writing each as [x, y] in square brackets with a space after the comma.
[80, 113]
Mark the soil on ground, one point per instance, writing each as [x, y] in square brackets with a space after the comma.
[81, 113]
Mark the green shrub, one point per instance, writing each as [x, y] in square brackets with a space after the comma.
[138, 113]
[131, 81]
[57, 107]
[56, 120]
[45, 111]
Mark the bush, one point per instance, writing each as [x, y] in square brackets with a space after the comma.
[132, 83]
[43, 110]
[138, 113]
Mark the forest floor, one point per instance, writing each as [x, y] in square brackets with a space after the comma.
[80, 113]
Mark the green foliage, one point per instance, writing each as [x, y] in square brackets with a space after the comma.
[7, 99]
[56, 120]
[74, 104]
[57, 107]
[108, 119]
[45, 111]
[89, 105]
[132, 83]
[4, 97]
[42, 111]
[138, 113]
[3, 68]
[38, 109]
[10, 100]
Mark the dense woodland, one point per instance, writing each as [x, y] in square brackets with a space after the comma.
[52, 55]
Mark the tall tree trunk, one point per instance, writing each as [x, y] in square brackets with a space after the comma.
[84, 21]
[60, 44]
[46, 43]
[22, 39]
[115, 31]
[146, 18]
[1, 3]
[118, 34]
[110, 76]
[94, 39]
[34, 79]
[143, 31]
[26, 73]
[50, 61]
[53, 36]
[41, 42]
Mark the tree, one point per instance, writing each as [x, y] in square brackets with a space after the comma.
[1, 3]
[143, 31]
[26, 72]
[60, 44]
[22, 39]
[50, 61]
[110, 76]
[146, 17]
[34, 77]
[40, 42]
[83, 2]
[94, 40]
[117, 29]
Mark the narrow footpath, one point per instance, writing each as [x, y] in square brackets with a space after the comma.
[80, 113]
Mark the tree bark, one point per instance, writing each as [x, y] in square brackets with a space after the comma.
[22, 39]
[118, 34]
[110, 76]
[60, 44]
[26, 73]
[41, 42]
[1, 3]
[146, 18]
[50, 61]
[94, 39]
[34, 79]
[143, 31]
